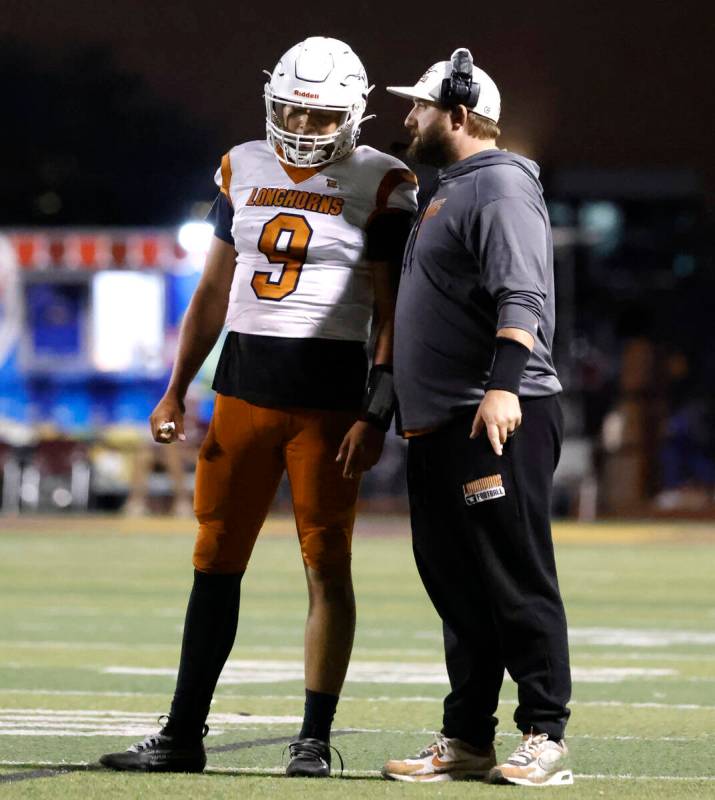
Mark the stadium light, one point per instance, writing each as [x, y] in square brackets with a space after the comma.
[195, 237]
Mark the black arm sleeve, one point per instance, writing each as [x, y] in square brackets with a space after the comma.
[221, 217]
[387, 234]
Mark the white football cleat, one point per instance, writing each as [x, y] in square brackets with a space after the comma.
[444, 760]
[537, 761]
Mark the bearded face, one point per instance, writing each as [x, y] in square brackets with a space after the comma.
[431, 141]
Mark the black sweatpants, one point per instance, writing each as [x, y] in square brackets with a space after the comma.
[482, 541]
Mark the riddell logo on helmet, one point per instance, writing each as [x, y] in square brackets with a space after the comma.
[309, 95]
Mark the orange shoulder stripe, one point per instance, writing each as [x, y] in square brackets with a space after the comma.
[391, 180]
[226, 177]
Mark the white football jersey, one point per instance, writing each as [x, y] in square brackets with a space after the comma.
[300, 239]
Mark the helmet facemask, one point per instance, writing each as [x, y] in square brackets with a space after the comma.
[322, 75]
[308, 149]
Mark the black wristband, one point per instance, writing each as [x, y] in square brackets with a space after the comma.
[378, 403]
[508, 366]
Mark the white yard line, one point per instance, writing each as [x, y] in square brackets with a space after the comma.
[350, 699]
[352, 773]
[638, 637]
[134, 731]
[579, 703]
[589, 736]
[110, 722]
[51, 713]
[510, 702]
[617, 655]
[617, 674]
[683, 778]
[52, 722]
[517, 734]
[619, 637]
[287, 649]
[373, 773]
[622, 704]
[36, 644]
[83, 693]
[245, 671]
[592, 636]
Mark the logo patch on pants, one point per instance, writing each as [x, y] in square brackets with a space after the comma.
[483, 489]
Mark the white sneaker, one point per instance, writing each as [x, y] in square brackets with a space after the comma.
[537, 761]
[444, 760]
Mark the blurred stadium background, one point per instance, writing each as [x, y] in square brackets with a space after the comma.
[114, 120]
[110, 140]
[90, 316]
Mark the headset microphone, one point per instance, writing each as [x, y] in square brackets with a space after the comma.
[459, 89]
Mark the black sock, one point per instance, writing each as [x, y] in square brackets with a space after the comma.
[209, 633]
[318, 717]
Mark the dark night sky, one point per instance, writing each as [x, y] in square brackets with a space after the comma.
[607, 83]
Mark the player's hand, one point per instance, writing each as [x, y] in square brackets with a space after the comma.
[500, 414]
[360, 449]
[167, 420]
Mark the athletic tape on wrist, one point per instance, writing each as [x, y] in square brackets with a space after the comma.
[510, 358]
[379, 400]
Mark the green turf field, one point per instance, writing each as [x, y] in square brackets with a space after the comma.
[92, 612]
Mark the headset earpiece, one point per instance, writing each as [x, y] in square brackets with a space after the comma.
[459, 89]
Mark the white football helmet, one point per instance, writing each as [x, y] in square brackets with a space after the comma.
[319, 73]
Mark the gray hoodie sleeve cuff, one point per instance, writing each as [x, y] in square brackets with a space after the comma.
[515, 315]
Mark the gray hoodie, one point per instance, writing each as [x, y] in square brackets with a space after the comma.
[479, 258]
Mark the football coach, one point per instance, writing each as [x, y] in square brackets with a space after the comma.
[478, 399]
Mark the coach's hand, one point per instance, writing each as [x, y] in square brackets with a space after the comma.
[500, 413]
[167, 420]
[360, 449]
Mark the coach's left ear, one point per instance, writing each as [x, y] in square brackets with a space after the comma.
[458, 117]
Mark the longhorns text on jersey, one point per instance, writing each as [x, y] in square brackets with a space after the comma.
[300, 235]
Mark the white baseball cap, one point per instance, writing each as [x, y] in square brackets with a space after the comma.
[429, 87]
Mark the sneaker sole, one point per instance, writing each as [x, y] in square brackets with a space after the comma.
[178, 770]
[118, 767]
[307, 774]
[562, 778]
[436, 777]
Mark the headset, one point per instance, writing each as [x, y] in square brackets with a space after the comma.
[459, 88]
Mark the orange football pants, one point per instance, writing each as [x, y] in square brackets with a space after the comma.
[240, 464]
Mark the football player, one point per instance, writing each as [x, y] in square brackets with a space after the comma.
[308, 228]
